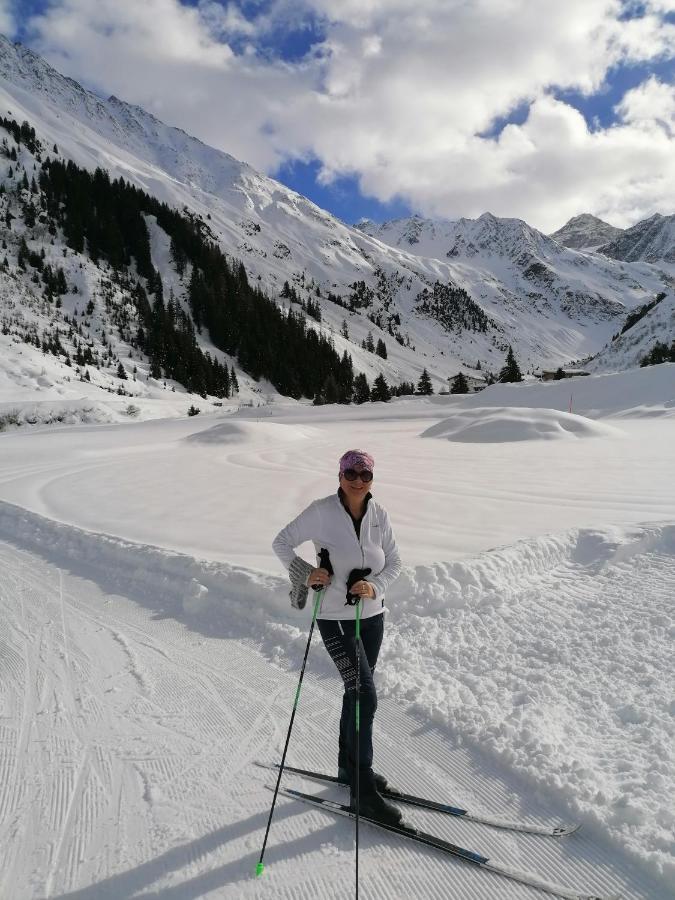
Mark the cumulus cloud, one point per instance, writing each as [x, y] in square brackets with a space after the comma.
[399, 92]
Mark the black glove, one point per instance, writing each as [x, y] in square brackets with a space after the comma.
[354, 576]
[324, 563]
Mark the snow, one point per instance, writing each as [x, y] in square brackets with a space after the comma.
[526, 670]
[503, 424]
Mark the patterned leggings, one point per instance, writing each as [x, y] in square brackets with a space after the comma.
[339, 638]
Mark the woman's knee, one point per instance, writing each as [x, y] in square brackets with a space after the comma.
[368, 697]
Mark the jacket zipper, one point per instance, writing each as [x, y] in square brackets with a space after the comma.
[351, 525]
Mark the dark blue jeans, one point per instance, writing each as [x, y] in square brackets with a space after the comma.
[339, 638]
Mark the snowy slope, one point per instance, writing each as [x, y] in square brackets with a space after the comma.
[552, 304]
[627, 350]
[586, 232]
[39, 386]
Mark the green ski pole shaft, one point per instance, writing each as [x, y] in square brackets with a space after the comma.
[358, 723]
[317, 602]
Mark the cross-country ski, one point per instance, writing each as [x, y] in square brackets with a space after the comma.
[430, 840]
[438, 806]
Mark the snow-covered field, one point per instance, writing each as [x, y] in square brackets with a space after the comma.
[150, 655]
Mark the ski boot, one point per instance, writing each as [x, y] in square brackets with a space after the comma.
[371, 803]
[381, 782]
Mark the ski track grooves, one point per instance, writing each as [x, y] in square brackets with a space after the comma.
[139, 746]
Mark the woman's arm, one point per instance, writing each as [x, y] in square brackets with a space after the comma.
[301, 529]
[392, 560]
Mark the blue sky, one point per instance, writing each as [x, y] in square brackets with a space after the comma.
[370, 160]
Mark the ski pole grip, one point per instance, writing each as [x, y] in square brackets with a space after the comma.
[324, 563]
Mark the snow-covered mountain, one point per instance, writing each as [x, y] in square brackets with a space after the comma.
[508, 265]
[586, 232]
[440, 295]
[652, 240]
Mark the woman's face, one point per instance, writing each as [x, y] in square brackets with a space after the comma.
[357, 489]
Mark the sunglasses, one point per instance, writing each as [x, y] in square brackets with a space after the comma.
[352, 475]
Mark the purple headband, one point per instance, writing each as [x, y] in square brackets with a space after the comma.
[356, 458]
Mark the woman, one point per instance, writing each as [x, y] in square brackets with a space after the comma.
[364, 560]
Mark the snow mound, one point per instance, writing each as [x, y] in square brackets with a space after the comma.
[238, 432]
[504, 424]
[226, 433]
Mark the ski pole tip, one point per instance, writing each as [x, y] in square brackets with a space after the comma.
[259, 869]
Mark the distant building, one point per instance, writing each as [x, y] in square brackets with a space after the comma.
[561, 373]
[475, 384]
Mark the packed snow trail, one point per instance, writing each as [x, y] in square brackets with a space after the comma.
[129, 731]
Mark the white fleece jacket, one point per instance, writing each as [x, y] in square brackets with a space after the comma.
[328, 524]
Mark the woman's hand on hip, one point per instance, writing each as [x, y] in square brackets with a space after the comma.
[319, 577]
[363, 589]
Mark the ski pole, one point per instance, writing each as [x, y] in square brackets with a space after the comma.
[317, 602]
[358, 722]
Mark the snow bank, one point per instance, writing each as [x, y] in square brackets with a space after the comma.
[52, 412]
[553, 655]
[504, 424]
[637, 392]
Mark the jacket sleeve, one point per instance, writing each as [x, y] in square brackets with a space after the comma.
[301, 529]
[392, 560]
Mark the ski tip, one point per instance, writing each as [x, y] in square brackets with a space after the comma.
[564, 830]
[259, 869]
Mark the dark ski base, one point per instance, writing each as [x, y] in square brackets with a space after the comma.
[400, 797]
[430, 840]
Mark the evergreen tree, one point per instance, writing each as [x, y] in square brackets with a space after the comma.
[329, 393]
[344, 330]
[381, 349]
[345, 379]
[424, 385]
[370, 344]
[361, 389]
[380, 389]
[121, 373]
[459, 384]
[510, 372]
[659, 353]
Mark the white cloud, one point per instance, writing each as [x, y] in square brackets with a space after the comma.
[7, 21]
[650, 106]
[398, 93]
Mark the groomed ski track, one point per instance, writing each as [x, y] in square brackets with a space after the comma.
[127, 741]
